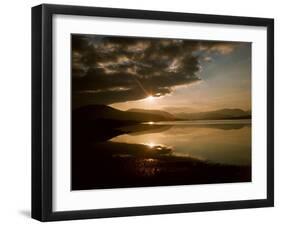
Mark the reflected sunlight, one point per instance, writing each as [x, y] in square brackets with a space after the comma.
[150, 160]
[151, 144]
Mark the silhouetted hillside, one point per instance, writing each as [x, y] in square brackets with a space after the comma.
[103, 112]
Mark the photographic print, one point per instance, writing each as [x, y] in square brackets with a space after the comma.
[138, 112]
[159, 111]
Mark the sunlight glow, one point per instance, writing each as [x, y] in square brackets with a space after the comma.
[150, 160]
[150, 98]
[150, 123]
[151, 144]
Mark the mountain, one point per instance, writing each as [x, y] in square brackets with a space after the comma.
[226, 113]
[105, 116]
[164, 114]
[174, 110]
[103, 112]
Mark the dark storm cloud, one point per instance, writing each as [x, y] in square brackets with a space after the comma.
[108, 70]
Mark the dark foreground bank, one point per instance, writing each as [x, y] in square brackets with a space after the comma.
[116, 165]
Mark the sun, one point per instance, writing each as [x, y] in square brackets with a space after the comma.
[150, 98]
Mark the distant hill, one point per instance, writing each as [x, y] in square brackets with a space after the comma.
[226, 113]
[174, 110]
[164, 114]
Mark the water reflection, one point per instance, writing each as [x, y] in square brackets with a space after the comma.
[156, 154]
[219, 143]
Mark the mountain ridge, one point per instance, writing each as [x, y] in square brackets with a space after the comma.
[136, 115]
[95, 112]
[156, 112]
[225, 113]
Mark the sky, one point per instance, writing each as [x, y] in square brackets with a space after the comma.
[153, 73]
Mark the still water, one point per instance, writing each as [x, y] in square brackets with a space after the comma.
[217, 141]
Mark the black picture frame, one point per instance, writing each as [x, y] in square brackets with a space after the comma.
[42, 111]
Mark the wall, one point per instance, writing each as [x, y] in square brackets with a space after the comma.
[15, 112]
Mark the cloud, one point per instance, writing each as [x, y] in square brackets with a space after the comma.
[108, 69]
